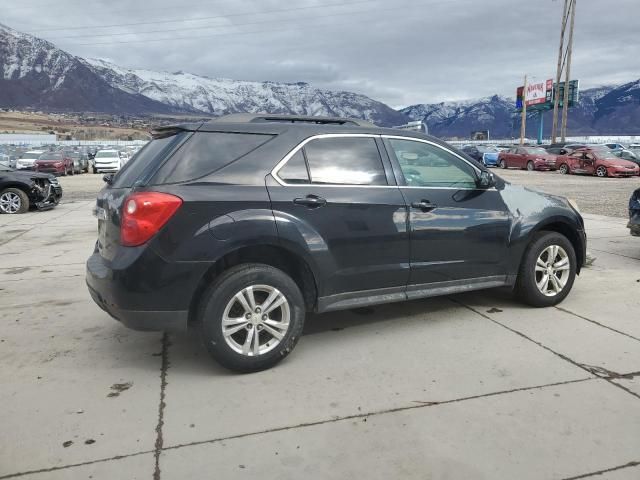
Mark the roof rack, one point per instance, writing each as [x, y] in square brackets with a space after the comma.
[261, 118]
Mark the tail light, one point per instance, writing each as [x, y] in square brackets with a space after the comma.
[144, 214]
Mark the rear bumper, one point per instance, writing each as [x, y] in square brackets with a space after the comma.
[108, 288]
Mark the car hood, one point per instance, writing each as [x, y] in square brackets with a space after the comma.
[25, 176]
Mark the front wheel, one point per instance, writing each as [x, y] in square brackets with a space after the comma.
[530, 166]
[13, 200]
[251, 317]
[601, 171]
[564, 169]
[547, 270]
[503, 164]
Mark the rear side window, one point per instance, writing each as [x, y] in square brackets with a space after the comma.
[206, 152]
[295, 170]
[345, 161]
[134, 168]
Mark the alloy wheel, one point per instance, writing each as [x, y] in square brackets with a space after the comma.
[564, 169]
[601, 171]
[255, 320]
[10, 202]
[530, 166]
[552, 270]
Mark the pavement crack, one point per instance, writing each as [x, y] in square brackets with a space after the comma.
[420, 404]
[166, 343]
[596, 323]
[600, 472]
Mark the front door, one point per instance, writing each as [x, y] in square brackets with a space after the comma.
[457, 230]
[335, 196]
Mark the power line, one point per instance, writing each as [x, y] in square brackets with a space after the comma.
[196, 19]
[233, 25]
[251, 32]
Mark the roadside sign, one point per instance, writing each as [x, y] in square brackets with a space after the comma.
[537, 92]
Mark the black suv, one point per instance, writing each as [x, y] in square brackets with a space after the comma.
[240, 225]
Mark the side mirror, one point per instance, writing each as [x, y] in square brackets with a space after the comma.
[486, 180]
[108, 178]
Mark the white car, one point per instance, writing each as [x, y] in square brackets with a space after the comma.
[28, 159]
[107, 161]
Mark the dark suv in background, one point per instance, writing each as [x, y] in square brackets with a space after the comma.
[240, 225]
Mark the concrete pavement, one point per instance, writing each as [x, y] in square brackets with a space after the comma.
[469, 386]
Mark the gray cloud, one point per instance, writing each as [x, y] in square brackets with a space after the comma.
[400, 52]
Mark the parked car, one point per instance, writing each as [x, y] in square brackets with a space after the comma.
[58, 163]
[598, 160]
[28, 159]
[629, 155]
[107, 161]
[614, 146]
[80, 161]
[485, 154]
[635, 147]
[531, 158]
[634, 214]
[20, 189]
[256, 220]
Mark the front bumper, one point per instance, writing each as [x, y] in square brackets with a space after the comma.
[634, 224]
[622, 173]
[107, 167]
[50, 169]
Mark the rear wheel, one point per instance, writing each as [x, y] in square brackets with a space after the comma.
[564, 169]
[13, 200]
[503, 164]
[251, 317]
[547, 270]
[530, 166]
[601, 171]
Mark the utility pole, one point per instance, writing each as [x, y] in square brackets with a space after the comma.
[523, 124]
[556, 99]
[565, 100]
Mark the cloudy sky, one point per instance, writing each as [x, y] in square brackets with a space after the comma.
[401, 52]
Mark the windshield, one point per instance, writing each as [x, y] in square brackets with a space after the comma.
[487, 149]
[31, 155]
[536, 151]
[50, 156]
[106, 154]
[606, 153]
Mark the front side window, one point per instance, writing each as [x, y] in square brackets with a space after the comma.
[345, 161]
[426, 165]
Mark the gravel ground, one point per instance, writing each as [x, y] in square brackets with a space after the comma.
[601, 196]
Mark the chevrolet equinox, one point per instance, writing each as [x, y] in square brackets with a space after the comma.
[240, 225]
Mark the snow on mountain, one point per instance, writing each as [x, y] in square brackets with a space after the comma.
[600, 110]
[219, 96]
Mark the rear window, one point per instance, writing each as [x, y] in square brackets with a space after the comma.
[136, 166]
[207, 152]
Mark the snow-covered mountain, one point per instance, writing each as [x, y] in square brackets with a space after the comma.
[601, 110]
[219, 96]
[34, 73]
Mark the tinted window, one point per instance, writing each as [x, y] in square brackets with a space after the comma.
[295, 170]
[129, 174]
[345, 161]
[206, 152]
[426, 165]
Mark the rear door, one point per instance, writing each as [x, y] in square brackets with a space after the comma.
[336, 194]
[457, 230]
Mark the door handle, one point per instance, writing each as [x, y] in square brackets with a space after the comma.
[424, 205]
[310, 201]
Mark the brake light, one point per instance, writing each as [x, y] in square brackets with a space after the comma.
[144, 214]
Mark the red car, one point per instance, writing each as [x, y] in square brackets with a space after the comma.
[531, 158]
[600, 161]
[58, 163]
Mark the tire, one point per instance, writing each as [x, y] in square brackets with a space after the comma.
[530, 166]
[503, 164]
[95, 170]
[64, 173]
[601, 171]
[564, 169]
[220, 299]
[13, 201]
[527, 288]
[72, 171]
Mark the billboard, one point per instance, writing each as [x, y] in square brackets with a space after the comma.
[537, 92]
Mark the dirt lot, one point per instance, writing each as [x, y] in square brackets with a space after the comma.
[602, 196]
[473, 386]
